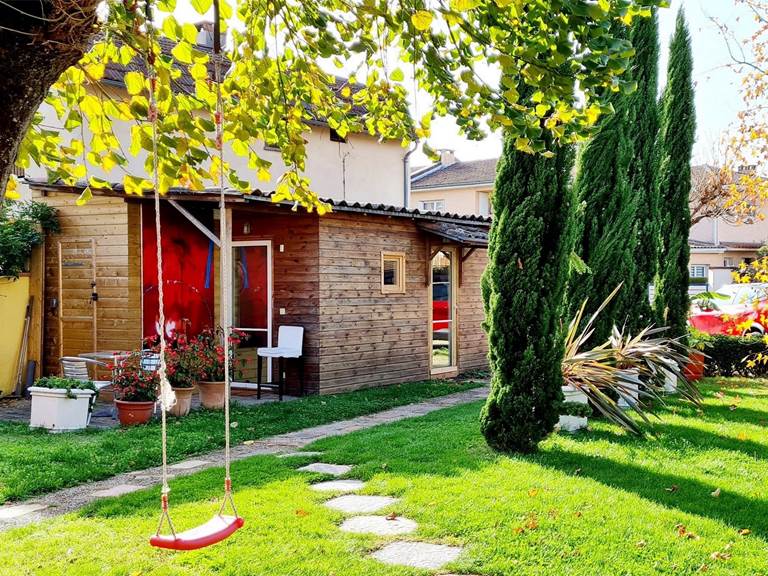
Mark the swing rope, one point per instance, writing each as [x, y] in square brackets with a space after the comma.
[218, 59]
[220, 526]
[167, 396]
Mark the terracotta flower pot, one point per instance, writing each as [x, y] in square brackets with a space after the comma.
[211, 394]
[183, 401]
[133, 413]
[694, 370]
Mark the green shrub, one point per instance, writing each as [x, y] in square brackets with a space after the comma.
[728, 356]
[20, 232]
[59, 383]
[576, 409]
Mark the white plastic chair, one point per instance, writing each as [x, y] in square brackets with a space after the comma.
[290, 345]
[77, 368]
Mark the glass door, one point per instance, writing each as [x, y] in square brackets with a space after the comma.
[251, 307]
[443, 337]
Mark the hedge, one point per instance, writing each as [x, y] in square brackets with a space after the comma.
[728, 355]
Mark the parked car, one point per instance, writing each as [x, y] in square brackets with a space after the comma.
[738, 309]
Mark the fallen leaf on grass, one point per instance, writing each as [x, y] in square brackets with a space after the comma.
[234, 424]
[745, 532]
[703, 568]
[720, 556]
[673, 488]
[641, 544]
[533, 492]
[577, 514]
[732, 407]
[392, 516]
[715, 493]
[249, 442]
[719, 394]
[683, 532]
[532, 523]
[302, 513]
[577, 472]
[741, 436]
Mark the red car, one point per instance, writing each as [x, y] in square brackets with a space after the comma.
[741, 309]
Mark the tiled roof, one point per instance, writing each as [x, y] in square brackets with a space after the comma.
[724, 245]
[457, 174]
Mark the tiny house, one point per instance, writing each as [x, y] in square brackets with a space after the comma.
[385, 294]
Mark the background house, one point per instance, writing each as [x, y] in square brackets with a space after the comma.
[453, 186]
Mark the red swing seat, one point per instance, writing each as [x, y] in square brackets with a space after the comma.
[215, 530]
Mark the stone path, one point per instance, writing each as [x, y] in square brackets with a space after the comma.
[401, 553]
[71, 499]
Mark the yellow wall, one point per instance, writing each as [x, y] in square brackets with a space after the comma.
[14, 295]
[457, 200]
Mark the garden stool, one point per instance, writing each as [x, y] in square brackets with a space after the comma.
[289, 345]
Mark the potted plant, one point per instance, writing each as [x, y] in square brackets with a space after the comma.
[135, 391]
[573, 415]
[61, 404]
[698, 341]
[207, 350]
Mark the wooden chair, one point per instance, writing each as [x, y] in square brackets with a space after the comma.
[77, 368]
[290, 345]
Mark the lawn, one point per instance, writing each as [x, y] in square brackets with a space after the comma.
[598, 503]
[34, 461]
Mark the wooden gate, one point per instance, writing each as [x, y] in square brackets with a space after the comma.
[77, 296]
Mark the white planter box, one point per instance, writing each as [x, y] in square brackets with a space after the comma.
[670, 380]
[573, 395]
[572, 423]
[53, 410]
[631, 390]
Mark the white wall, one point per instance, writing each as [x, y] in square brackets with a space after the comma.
[360, 170]
[464, 200]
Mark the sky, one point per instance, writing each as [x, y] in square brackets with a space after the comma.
[718, 97]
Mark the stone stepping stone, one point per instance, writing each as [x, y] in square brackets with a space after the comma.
[338, 486]
[9, 512]
[118, 490]
[417, 554]
[188, 464]
[379, 525]
[299, 454]
[333, 469]
[356, 504]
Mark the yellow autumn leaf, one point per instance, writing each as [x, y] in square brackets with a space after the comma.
[85, 197]
[421, 20]
[12, 189]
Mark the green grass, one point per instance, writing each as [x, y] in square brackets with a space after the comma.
[34, 461]
[599, 503]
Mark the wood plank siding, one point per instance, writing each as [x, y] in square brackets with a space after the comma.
[369, 338]
[114, 227]
[472, 343]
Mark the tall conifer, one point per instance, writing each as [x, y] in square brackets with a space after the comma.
[523, 290]
[675, 145]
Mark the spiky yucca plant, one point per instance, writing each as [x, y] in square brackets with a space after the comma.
[623, 364]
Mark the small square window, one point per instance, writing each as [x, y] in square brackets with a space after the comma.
[393, 273]
[698, 271]
[432, 205]
[336, 137]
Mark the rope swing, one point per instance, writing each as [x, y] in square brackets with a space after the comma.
[220, 526]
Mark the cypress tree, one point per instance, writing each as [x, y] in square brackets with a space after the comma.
[643, 120]
[607, 241]
[676, 136]
[530, 242]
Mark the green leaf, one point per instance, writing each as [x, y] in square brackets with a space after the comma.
[397, 75]
[189, 32]
[201, 6]
[464, 5]
[134, 82]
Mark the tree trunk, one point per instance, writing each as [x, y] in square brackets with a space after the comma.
[38, 41]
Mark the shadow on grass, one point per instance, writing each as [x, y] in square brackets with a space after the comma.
[204, 486]
[690, 496]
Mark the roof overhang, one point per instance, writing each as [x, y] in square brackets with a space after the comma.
[470, 236]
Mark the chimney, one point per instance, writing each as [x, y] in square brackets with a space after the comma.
[447, 157]
[205, 35]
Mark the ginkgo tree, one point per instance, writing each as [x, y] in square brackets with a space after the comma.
[473, 57]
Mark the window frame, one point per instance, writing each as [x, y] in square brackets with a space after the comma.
[399, 286]
[704, 268]
[434, 202]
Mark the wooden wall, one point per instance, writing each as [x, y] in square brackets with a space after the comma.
[114, 225]
[472, 343]
[369, 338]
[294, 276]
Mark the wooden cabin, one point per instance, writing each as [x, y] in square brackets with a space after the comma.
[385, 294]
